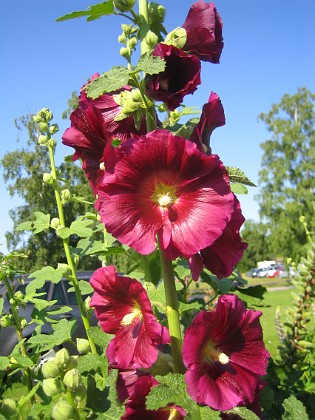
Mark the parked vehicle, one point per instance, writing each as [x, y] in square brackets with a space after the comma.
[51, 291]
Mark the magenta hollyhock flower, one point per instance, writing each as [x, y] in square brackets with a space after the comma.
[212, 116]
[225, 355]
[136, 404]
[164, 185]
[223, 255]
[204, 32]
[180, 77]
[123, 308]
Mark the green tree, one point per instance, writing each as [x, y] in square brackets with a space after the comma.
[23, 173]
[287, 177]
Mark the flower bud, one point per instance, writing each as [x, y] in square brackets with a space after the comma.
[122, 39]
[124, 52]
[62, 358]
[133, 42]
[50, 369]
[53, 129]
[156, 12]
[72, 379]
[72, 362]
[83, 345]
[127, 29]
[5, 321]
[65, 196]
[19, 296]
[23, 323]
[151, 39]
[52, 143]
[52, 386]
[177, 38]
[8, 408]
[42, 140]
[48, 179]
[124, 5]
[55, 223]
[37, 118]
[43, 127]
[62, 410]
[80, 395]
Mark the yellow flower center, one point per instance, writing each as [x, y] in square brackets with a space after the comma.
[211, 354]
[128, 319]
[164, 195]
[102, 166]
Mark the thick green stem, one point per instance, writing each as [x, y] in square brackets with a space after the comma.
[69, 258]
[172, 312]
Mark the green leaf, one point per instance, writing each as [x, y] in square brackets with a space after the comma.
[150, 64]
[85, 288]
[294, 409]
[100, 338]
[79, 227]
[27, 397]
[204, 413]
[40, 276]
[93, 12]
[238, 188]
[184, 307]
[114, 79]
[40, 223]
[62, 332]
[252, 296]
[243, 413]
[23, 360]
[238, 176]
[4, 363]
[89, 362]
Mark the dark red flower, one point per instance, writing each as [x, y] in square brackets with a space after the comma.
[223, 255]
[136, 404]
[164, 185]
[180, 77]
[123, 308]
[212, 116]
[93, 127]
[204, 32]
[224, 353]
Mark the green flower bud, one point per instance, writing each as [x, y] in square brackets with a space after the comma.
[19, 296]
[62, 358]
[156, 12]
[48, 179]
[151, 39]
[9, 408]
[127, 29]
[83, 345]
[122, 39]
[55, 223]
[65, 196]
[23, 323]
[177, 38]
[43, 127]
[52, 143]
[37, 118]
[52, 386]
[124, 52]
[50, 369]
[53, 129]
[133, 42]
[72, 362]
[42, 140]
[80, 395]
[62, 410]
[45, 115]
[5, 321]
[136, 95]
[72, 379]
[124, 5]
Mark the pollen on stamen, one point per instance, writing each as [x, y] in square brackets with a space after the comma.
[102, 166]
[223, 359]
[129, 318]
[165, 200]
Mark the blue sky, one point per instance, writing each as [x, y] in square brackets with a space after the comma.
[268, 52]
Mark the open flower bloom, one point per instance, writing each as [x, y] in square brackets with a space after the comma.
[180, 77]
[164, 186]
[123, 308]
[212, 116]
[136, 404]
[224, 353]
[204, 32]
[223, 255]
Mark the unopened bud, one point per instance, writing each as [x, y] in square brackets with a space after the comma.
[55, 223]
[52, 143]
[48, 178]
[19, 296]
[62, 410]
[43, 127]
[65, 196]
[83, 345]
[50, 369]
[124, 5]
[52, 386]
[124, 52]
[37, 118]
[122, 39]
[5, 321]
[53, 129]
[156, 12]
[72, 379]
[42, 140]
[133, 42]
[8, 408]
[127, 29]
[151, 39]
[177, 38]
[62, 358]
[72, 362]
[23, 323]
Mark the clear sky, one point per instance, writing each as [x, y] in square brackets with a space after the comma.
[268, 52]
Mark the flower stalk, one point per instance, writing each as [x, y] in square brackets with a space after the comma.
[172, 312]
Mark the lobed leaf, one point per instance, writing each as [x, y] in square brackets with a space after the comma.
[114, 79]
[294, 409]
[238, 176]
[150, 64]
[93, 12]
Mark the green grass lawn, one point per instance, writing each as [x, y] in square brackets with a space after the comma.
[281, 298]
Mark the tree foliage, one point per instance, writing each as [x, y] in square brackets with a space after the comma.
[287, 177]
[22, 172]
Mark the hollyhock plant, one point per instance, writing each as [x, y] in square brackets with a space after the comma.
[224, 254]
[203, 27]
[224, 353]
[212, 116]
[180, 77]
[164, 186]
[136, 404]
[123, 308]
